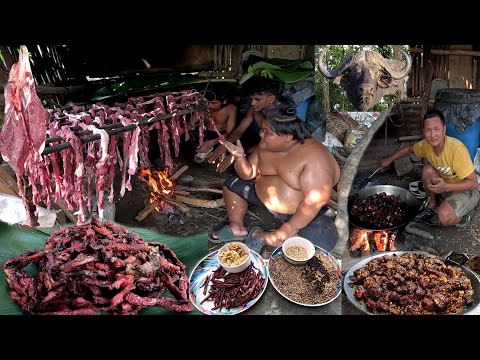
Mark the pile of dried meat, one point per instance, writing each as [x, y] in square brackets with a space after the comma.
[85, 269]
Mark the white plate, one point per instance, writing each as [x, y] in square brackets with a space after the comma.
[205, 267]
[278, 251]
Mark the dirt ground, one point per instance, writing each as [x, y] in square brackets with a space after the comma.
[173, 222]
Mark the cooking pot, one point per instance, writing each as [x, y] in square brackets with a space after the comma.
[410, 199]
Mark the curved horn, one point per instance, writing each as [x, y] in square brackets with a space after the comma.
[398, 74]
[331, 74]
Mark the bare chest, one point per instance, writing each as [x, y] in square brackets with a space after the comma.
[285, 167]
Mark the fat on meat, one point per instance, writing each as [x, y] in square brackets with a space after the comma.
[23, 135]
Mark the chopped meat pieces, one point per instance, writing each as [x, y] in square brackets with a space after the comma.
[380, 211]
[412, 284]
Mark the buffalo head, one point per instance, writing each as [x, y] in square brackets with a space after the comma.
[367, 76]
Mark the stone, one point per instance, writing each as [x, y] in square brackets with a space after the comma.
[403, 165]
[415, 158]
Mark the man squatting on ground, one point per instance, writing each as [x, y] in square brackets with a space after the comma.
[289, 173]
[449, 175]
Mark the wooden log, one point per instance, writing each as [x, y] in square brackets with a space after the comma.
[63, 205]
[194, 189]
[411, 137]
[209, 183]
[147, 210]
[179, 173]
[212, 204]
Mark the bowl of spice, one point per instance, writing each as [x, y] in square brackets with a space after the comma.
[234, 257]
[298, 250]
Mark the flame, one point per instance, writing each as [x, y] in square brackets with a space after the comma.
[381, 240]
[364, 241]
[160, 184]
[384, 240]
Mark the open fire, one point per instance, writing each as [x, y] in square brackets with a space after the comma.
[160, 186]
[372, 240]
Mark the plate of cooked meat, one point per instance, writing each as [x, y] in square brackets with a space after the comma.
[411, 283]
[214, 291]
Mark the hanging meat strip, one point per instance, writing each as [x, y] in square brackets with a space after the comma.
[25, 126]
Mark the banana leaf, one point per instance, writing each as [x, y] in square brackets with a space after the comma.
[143, 84]
[15, 241]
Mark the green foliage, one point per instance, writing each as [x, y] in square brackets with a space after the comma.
[336, 54]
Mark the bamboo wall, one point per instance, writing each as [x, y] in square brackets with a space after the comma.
[456, 64]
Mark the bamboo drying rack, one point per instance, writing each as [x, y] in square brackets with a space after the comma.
[117, 128]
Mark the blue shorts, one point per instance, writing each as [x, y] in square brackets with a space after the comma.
[321, 230]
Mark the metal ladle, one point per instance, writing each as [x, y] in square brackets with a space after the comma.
[365, 181]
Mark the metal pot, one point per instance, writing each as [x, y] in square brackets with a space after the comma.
[350, 288]
[410, 199]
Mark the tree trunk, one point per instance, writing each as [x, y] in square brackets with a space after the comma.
[398, 56]
[326, 95]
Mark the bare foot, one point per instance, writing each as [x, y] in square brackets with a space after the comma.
[237, 230]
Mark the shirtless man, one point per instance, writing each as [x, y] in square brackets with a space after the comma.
[262, 92]
[289, 173]
[224, 115]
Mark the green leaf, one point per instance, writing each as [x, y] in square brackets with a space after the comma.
[15, 241]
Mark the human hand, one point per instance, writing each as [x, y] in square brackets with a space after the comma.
[385, 162]
[207, 145]
[225, 163]
[274, 238]
[437, 185]
[236, 150]
[217, 155]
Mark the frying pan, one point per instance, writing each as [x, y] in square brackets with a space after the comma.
[360, 305]
[405, 195]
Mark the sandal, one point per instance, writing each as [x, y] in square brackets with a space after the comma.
[425, 215]
[466, 220]
[224, 235]
[253, 242]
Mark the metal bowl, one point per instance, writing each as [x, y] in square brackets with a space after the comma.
[410, 199]
[349, 288]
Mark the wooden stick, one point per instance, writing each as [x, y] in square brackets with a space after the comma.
[408, 138]
[214, 182]
[332, 204]
[200, 203]
[63, 205]
[180, 192]
[178, 173]
[201, 189]
[147, 210]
